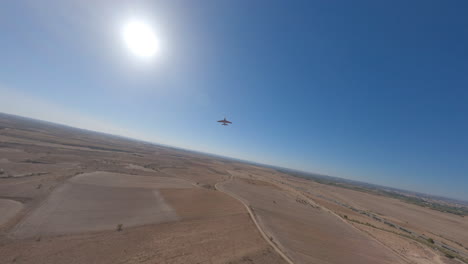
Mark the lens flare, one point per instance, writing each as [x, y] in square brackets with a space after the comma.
[140, 39]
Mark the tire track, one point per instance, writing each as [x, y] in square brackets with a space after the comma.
[219, 186]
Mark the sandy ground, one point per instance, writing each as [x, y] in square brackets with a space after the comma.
[409, 215]
[211, 228]
[75, 208]
[447, 228]
[9, 209]
[108, 179]
[63, 192]
[308, 234]
[75, 187]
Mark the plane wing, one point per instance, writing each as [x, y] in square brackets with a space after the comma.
[225, 121]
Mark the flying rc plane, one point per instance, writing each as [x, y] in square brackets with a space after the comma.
[225, 122]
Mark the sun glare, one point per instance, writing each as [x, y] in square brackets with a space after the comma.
[140, 39]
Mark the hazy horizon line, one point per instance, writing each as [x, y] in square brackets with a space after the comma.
[252, 162]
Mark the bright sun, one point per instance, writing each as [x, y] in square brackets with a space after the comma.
[140, 39]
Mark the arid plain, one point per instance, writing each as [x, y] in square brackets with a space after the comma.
[74, 196]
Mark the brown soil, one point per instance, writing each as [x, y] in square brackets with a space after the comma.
[63, 193]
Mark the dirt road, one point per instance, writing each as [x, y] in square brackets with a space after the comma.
[219, 187]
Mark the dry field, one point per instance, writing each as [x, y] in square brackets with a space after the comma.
[75, 196]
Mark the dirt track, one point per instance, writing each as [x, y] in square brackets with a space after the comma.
[65, 191]
[219, 186]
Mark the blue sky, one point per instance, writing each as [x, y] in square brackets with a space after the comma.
[375, 91]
